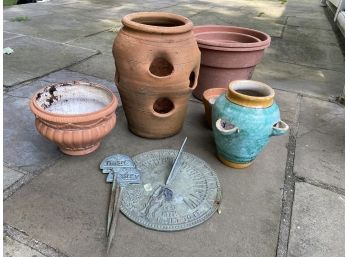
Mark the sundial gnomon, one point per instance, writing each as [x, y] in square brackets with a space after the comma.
[196, 192]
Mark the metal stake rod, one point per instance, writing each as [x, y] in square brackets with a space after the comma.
[115, 213]
[111, 203]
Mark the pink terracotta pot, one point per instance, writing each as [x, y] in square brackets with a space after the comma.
[227, 53]
[74, 115]
[209, 97]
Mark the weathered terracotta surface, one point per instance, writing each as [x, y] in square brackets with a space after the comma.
[228, 53]
[74, 115]
[209, 98]
[157, 65]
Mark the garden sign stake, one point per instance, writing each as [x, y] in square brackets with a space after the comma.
[121, 171]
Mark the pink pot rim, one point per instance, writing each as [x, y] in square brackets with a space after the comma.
[231, 46]
[74, 118]
[130, 21]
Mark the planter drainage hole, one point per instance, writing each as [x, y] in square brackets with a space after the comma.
[226, 125]
[163, 105]
[160, 67]
[192, 79]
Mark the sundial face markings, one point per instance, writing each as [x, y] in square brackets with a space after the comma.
[200, 193]
[192, 187]
[191, 203]
[195, 213]
[196, 197]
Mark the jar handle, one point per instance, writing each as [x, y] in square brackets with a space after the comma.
[226, 127]
[280, 128]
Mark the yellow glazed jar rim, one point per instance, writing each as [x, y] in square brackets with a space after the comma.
[250, 93]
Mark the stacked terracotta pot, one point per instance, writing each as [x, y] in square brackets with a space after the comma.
[157, 65]
[228, 53]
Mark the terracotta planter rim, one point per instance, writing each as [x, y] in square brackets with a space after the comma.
[231, 46]
[212, 92]
[74, 118]
[265, 100]
[133, 21]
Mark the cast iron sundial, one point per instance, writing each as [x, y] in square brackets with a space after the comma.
[187, 199]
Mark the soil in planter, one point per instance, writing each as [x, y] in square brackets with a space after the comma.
[71, 100]
[75, 106]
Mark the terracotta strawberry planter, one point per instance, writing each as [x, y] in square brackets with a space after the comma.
[228, 53]
[74, 115]
[157, 65]
[209, 98]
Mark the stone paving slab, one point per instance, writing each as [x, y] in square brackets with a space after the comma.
[35, 57]
[101, 66]
[238, 18]
[116, 13]
[306, 34]
[317, 225]
[7, 35]
[186, 11]
[315, 23]
[54, 26]
[305, 9]
[27, 90]
[23, 146]
[287, 103]
[305, 80]
[102, 41]
[304, 12]
[319, 153]
[26, 10]
[273, 27]
[10, 176]
[14, 249]
[265, 10]
[65, 206]
[306, 53]
[207, 17]
[84, 5]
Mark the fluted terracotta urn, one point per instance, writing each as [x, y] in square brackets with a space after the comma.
[74, 115]
[157, 66]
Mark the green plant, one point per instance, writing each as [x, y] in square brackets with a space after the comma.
[260, 14]
[20, 18]
[9, 2]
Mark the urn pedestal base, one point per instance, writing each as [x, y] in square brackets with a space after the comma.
[79, 152]
[234, 165]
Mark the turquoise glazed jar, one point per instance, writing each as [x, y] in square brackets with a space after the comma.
[243, 121]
